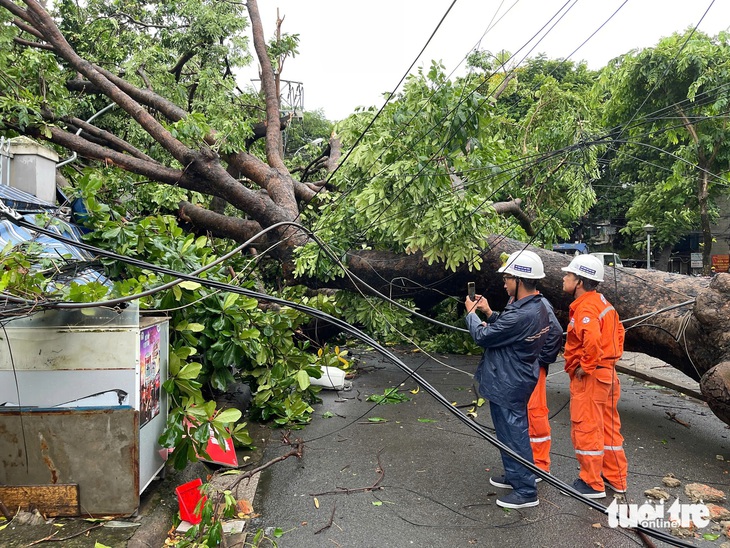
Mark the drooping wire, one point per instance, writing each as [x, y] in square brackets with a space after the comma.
[389, 355]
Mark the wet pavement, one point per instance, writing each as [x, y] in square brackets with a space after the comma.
[411, 474]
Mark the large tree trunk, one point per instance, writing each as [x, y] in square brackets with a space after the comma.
[694, 338]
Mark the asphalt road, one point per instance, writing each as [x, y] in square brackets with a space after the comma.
[411, 474]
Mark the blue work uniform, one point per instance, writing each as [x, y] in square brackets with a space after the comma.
[507, 375]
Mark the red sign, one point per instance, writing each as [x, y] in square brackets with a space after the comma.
[220, 454]
[721, 263]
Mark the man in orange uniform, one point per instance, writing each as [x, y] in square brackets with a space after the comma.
[595, 341]
[537, 412]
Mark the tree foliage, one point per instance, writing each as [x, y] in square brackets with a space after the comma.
[668, 107]
[429, 192]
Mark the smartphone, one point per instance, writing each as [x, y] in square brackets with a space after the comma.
[470, 288]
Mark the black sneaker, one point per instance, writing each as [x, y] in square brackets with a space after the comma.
[513, 500]
[612, 487]
[587, 491]
[500, 481]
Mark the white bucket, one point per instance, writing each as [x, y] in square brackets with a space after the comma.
[332, 377]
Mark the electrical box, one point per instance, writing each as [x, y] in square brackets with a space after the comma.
[81, 402]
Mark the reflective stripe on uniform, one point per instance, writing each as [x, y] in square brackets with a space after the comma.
[605, 311]
[589, 453]
[540, 440]
[613, 447]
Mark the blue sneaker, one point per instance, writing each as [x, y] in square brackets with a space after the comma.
[500, 481]
[513, 500]
[587, 491]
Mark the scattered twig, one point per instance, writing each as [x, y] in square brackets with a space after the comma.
[343, 490]
[297, 452]
[5, 512]
[673, 407]
[646, 540]
[673, 417]
[50, 538]
[329, 524]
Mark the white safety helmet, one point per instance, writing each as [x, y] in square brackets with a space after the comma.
[524, 264]
[586, 266]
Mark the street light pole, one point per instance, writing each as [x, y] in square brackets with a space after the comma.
[649, 229]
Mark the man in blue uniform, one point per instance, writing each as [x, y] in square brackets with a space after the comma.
[515, 342]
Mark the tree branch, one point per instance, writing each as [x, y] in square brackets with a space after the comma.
[268, 84]
[220, 225]
[184, 58]
[513, 208]
[104, 136]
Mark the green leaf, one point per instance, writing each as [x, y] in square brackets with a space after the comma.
[391, 395]
[190, 371]
[228, 416]
[377, 419]
[190, 285]
[427, 420]
[377, 503]
[230, 300]
[303, 379]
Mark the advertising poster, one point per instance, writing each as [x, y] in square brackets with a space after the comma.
[149, 374]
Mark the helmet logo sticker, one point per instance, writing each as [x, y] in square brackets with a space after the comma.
[521, 268]
[587, 270]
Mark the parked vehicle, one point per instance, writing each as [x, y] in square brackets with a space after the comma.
[579, 248]
[576, 248]
[609, 259]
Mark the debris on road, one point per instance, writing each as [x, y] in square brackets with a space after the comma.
[657, 493]
[671, 481]
[699, 492]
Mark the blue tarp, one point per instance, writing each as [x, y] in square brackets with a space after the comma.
[50, 247]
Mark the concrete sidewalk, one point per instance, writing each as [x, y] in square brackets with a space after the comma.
[411, 474]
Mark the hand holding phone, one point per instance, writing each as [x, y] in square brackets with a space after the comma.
[470, 288]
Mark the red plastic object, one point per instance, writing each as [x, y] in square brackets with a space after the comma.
[220, 454]
[188, 497]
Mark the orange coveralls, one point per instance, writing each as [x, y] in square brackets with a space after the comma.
[539, 424]
[594, 342]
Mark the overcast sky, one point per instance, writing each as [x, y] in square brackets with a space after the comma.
[352, 51]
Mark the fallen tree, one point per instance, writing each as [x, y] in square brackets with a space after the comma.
[692, 338]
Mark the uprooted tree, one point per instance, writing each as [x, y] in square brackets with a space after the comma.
[417, 200]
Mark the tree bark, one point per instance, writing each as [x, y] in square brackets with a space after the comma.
[694, 338]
